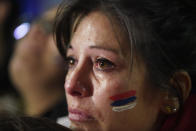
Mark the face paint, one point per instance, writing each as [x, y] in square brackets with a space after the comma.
[123, 101]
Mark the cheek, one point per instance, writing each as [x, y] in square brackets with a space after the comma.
[105, 90]
[102, 102]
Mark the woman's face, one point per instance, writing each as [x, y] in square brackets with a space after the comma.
[103, 93]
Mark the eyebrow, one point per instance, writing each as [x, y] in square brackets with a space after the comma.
[98, 47]
[104, 48]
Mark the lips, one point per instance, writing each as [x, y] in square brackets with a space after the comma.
[80, 116]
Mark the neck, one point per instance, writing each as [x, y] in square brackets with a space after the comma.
[39, 100]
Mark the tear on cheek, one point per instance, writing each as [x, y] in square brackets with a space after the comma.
[123, 101]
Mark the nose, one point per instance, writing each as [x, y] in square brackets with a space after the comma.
[78, 82]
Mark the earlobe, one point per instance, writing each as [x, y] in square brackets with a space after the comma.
[170, 105]
[178, 92]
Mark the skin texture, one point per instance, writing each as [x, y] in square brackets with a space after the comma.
[94, 39]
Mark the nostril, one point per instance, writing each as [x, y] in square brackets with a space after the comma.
[76, 93]
[79, 92]
[78, 89]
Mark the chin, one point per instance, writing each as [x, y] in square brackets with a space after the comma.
[84, 127]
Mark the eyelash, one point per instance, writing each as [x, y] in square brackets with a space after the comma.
[104, 62]
[70, 62]
[98, 63]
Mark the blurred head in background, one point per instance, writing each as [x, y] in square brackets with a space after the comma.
[36, 67]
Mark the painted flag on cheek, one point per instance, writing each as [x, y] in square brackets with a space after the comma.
[124, 101]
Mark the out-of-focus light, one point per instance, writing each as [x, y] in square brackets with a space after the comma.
[21, 30]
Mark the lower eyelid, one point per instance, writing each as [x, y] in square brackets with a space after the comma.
[106, 69]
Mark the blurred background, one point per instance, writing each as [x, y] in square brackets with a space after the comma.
[13, 14]
[29, 59]
[33, 8]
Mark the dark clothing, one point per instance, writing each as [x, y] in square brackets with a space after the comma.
[10, 122]
[185, 120]
[59, 110]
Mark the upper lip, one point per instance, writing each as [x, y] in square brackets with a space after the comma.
[81, 114]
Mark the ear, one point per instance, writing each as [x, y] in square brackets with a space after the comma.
[181, 80]
[178, 92]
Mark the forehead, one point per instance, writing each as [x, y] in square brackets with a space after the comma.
[99, 29]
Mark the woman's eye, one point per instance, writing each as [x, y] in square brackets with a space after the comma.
[104, 64]
[70, 62]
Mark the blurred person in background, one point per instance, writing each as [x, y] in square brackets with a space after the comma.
[37, 70]
[9, 13]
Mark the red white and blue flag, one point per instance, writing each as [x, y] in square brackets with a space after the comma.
[123, 101]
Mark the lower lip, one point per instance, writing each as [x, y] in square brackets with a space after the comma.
[80, 117]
